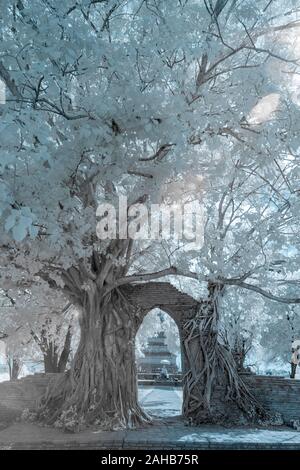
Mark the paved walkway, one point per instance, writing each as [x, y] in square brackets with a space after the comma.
[168, 432]
[161, 400]
[171, 434]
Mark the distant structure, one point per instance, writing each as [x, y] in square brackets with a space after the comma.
[157, 355]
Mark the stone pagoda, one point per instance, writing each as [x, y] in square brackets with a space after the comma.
[157, 355]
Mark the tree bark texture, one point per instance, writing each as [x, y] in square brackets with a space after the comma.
[208, 364]
[101, 386]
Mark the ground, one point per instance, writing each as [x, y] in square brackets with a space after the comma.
[161, 401]
[169, 432]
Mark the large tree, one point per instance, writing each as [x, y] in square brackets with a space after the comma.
[160, 103]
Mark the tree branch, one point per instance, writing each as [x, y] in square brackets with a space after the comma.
[259, 290]
[150, 276]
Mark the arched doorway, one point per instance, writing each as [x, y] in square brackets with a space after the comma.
[159, 364]
[181, 307]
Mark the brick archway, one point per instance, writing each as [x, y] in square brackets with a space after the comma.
[163, 295]
[182, 307]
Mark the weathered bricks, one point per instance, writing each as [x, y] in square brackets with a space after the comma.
[18, 395]
[277, 394]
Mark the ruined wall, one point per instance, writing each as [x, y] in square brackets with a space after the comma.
[161, 295]
[19, 395]
[277, 394]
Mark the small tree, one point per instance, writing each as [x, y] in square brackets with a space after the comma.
[14, 363]
[53, 336]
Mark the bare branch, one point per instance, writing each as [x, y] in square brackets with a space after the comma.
[160, 154]
[259, 290]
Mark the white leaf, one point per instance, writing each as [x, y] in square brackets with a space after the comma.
[25, 221]
[10, 222]
[19, 232]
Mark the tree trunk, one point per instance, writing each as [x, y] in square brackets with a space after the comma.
[53, 361]
[101, 386]
[14, 366]
[239, 354]
[210, 363]
[50, 357]
[65, 354]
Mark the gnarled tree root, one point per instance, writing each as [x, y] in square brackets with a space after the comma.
[212, 369]
[62, 407]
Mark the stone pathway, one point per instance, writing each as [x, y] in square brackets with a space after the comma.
[169, 434]
[161, 400]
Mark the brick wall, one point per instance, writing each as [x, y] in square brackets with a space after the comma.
[162, 295]
[18, 395]
[277, 394]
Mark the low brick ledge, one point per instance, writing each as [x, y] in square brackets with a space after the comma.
[150, 445]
